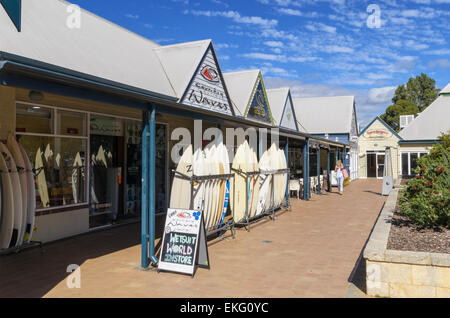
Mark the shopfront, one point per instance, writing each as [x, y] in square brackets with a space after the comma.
[372, 144]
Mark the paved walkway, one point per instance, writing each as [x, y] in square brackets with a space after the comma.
[310, 251]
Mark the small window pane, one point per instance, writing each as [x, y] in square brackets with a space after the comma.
[34, 119]
[72, 123]
[405, 171]
[414, 157]
[59, 165]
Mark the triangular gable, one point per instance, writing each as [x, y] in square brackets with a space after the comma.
[370, 131]
[258, 107]
[207, 89]
[288, 119]
[14, 10]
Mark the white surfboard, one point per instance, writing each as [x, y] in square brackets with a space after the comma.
[220, 189]
[238, 197]
[211, 184]
[31, 206]
[77, 164]
[265, 183]
[41, 179]
[180, 197]
[199, 170]
[14, 149]
[226, 200]
[7, 224]
[283, 176]
[17, 193]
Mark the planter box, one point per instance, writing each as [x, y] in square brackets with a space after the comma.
[392, 273]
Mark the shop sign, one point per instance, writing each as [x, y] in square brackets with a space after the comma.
[184, 242]
[377, 133]
[259, 107]
[106, 126]
[206, 90]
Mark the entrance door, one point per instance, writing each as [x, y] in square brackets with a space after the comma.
[375, 164]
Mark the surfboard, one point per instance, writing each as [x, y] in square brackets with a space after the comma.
[17, 193]
[76, 174]
[7, 224]
[256, 185]
[180, 197]
[41, 179]
[221, 185]
[226, 165]
[283, 176]
[199, 187]
[31, 206]
[264, 183]
[238, 197]
[14, 149]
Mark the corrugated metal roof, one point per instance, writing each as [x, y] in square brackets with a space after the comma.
[180, 62]
[277, 100]
[325, 115]
[433, 121]
[240, 86]
[98, 48]
[446, 89]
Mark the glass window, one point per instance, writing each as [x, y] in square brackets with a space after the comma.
[71, 123]
[34, 119]
[413, 157]
[60, 168]
[405, 164]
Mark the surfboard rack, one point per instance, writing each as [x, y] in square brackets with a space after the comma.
[271, 212]
[225, 226]
[18, 249]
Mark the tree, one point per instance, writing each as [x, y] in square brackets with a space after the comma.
[410, 99]
[393, 112]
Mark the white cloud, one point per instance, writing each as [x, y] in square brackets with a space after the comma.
[236, 17]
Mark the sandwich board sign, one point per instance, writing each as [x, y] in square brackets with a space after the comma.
[184, 242]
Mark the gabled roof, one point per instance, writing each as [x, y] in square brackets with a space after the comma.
[446, 90]
[93, 49]
[180, 62]
[277, 99]
[248, 95]
[384, 124]
[280, 99]
[325, 115]
[240, 86]
[430, 123]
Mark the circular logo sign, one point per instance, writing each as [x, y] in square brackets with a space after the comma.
[210, 74]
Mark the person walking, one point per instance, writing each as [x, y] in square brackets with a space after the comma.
[340, 176]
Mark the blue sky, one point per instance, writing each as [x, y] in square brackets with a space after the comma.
[316, 47]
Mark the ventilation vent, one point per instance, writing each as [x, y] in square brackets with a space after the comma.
[405, 120]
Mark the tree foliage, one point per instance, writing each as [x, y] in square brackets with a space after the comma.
[410, 99]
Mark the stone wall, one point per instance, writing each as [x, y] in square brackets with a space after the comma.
[391, 273]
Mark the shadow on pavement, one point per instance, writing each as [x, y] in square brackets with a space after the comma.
[34, 272]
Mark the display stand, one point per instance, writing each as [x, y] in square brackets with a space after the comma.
[271, 212]
[225, 226]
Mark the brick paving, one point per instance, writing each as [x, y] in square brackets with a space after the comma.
[312, 252]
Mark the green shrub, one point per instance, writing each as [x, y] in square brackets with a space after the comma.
[426, 198]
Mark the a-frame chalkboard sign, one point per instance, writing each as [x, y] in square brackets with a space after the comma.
[183, 245]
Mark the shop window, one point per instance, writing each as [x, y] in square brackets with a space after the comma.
[59, 165]
[59, 162]
[34, 119]
[72, 124]
[409, 162]
[405, 164]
